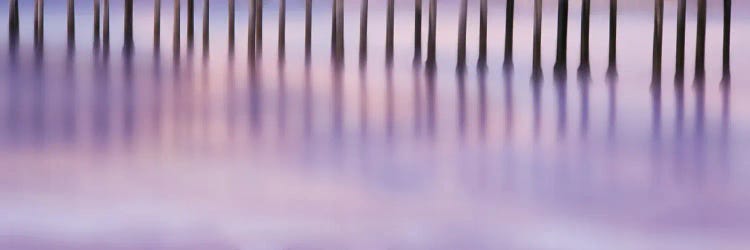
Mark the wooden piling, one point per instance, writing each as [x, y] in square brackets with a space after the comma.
[389, 33]
[39, 25]
[461, 53]
[417, 31]
[700, 43]
[509, 19]
[584, 66]
[537, 54]
[190, 25]
[726, 50]
[561, 58]
[333, 27]
[157, 26]
[431, 35]
[129, 43]
[482, 59]
[13, 25]
[176, 32]
[206, 29]
[259, 28]
[657, 46]
[680, 53]
[105, 29]
[71, 21]
[612, 64]
[230, 27]
[251, 29]
[282, 31]
[363, 33]
[97, 25]
[308, 31]
[340, 33]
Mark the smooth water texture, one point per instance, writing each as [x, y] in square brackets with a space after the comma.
[154, 152]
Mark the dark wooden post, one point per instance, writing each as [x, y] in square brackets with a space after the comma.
[482, 60]
[537, 54]
[417, 31]
[584, 66]
[612, 67]
[389, 33]
[71, 25]
[657, 47]
[680, 53]
[700, 43]
[431, 35]
[176, 32]
[190, 25]
[340, 32]
[509, 18]
[308, 31]
[97, 25]
[282, 31]
[461, 55]
[230, 34]
[363, 33]
[157, 26]
[129, 43]
[561, 58]
[13, 25]
[259, 28]
[105, 30]
[726, 67]
[251, 29]
[206, 29]
[39, 25]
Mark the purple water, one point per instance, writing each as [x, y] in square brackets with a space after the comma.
[150, 154]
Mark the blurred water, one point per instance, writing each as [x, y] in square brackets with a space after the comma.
[145, 152]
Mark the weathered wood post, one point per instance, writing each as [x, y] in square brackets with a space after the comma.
[333, 28]
[39, 25]
[176, 32]
[389, 33]
[431, 35]
[308, 31]
[726, 67]
[461, 53]
[190, 25]
[417, 31]
[105, 30]
[700, 43]
[680, 53]
[157, 26]
[561, 59]
[251, 29]
[128, 45]
[71, 21]
[340, 32]
[584, 66]
[206, 29]
[657, 47]
[259, 28]
[282, 31]
[97, 25]
[509, 18]
[13, 25]
[230, 27]
[482, 59]
[363, 33]
[537, 54]
[612, 64]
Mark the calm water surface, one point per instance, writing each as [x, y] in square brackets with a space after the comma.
[153, 153]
